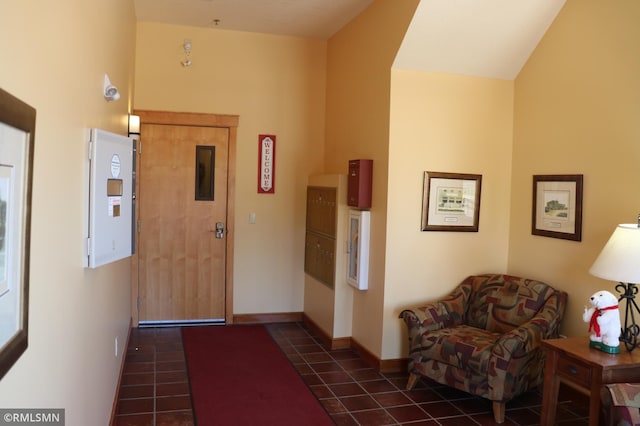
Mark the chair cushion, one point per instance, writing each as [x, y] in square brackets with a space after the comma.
[462, 347]
[500, 303]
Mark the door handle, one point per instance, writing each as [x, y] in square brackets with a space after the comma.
[219, 230]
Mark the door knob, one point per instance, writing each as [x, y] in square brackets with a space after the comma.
[219, 230]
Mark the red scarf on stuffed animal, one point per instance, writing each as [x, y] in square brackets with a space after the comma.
[593, 324]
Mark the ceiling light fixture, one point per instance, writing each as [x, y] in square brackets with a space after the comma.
[187, 54]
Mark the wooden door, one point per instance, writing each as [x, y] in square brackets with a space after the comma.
[181, 259]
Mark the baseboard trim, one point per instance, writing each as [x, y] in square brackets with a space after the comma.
[267, 318]
[116, 398]
[383, 366]
[327, 340]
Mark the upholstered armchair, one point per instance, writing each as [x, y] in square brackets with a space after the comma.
[484, 338]
[621, 404]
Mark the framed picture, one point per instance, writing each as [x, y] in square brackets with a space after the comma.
[557, 206]
[17, 127]
[451, 202]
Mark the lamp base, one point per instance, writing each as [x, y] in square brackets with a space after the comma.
[630, 331]
[604, 348]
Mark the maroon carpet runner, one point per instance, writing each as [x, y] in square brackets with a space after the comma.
[239, 376]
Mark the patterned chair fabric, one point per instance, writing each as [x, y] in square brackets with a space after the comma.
[621, 404]
[484, 338]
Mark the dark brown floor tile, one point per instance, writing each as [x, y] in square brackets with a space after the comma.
[353, 364]
[311, 379]
[392, 399]
[333, 406]
[486, 419]
[430, 423]
[135, 406]
[408, 413]
[451, 393]
[399, 382]
[378, 386]
[474, 405]
[366, 374]
[523, 416]
[171, 366]
[169, 347]
[170, 356]
[173, 403]
[457, 421]
[134, 420]
[296, 358]
[359, 403]
[171, 376]
[139, 367]
[335, 377]
[137, 379]
[316, 357]
[309, 349]
[321, 391]
[440, 409]
[344, 354]
[323, 367]
[142, 349]
[304, 369]
[128, 392]
[173, 389]
[302, 340]
[175, 418]
[347, 389]
[344, 420]
[373, 417]
[423, 395]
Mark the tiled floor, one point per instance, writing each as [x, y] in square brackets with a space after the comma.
[155, 390]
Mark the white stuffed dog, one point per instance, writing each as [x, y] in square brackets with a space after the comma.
[603, 318]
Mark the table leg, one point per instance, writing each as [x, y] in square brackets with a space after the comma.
[550, 390]
[594, 400]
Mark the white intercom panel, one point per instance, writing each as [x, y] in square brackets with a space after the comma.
[110, 187]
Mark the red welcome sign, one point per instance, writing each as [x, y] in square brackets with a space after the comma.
[266, 164]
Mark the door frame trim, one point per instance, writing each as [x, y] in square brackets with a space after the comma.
[202, 120]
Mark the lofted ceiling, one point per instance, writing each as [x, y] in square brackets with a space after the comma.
[485, 38]
[302, 18]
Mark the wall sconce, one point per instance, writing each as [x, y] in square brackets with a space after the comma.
[110, 91]
[620, 261]
[134, 124]
[187, 54]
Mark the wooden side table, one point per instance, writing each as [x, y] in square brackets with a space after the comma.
[573, 361]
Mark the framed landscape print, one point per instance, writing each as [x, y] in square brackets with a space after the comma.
[557, 206]
[451, 202]
[17, 127]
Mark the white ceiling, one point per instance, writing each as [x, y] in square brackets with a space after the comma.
[483, 38]
[486, 38]
[303, 18]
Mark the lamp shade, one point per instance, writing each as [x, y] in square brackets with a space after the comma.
[619, 260]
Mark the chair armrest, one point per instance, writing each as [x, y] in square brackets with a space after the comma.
[517, 355]
[433, 316]
[624, 394]
[447, 312]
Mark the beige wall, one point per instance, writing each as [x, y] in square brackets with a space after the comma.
[276, 85]
[54, 58]
[577, 109]
[359, 62]
[443, 123]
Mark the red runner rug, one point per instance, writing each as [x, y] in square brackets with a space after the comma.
[239, 376]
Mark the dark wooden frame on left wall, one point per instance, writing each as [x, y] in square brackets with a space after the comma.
[17, 139]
